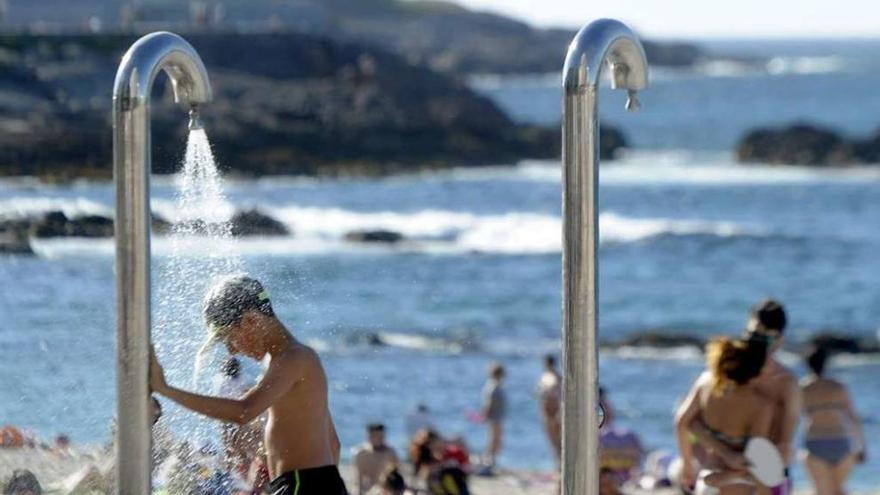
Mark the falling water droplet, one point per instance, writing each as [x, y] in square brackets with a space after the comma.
[202, 249]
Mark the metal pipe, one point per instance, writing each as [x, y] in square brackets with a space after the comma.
[131, 169]
[600, 42]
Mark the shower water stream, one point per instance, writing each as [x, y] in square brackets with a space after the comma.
[201, 251]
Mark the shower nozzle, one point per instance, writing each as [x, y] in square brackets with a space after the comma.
[195, 123]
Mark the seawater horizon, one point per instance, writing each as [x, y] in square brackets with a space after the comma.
[691, 240]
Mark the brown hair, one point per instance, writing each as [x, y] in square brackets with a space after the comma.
[734, 361]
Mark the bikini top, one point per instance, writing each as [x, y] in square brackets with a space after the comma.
[734, 442]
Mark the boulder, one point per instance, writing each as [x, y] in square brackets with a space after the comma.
[254, 222]
[14, 238]
[837, 342]
[807, 144]
[90, 226]
[52, 224]
[56, 224]
[160, 225]
[611, 140]
[801, 144]
[376, 236]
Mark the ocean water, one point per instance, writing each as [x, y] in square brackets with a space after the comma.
[689, 240]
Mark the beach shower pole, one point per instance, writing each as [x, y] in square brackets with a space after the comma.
[131, 170]
[600, 42]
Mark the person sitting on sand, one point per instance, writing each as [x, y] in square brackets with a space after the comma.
[11, 436]
[434, 471]
[391, 482]
[373, 458]
[620, 449]
[608, 482]
[22, 482]
[834, 437]
[100, 477]
[724, 404]
[301, 442]
[550, 400]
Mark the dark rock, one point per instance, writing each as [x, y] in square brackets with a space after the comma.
[377, 236]
[253, 222]
[90, 226]
[56, 224]
[53, 224]
[611, 140]
[364, 337]
[837, 342]
[160, 225]
[200, 227]
[284, 103]
[806, 144]
[14, 238]
[662, 340]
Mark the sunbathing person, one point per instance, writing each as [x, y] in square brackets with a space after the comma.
[373, 458]
[834, 437]
[301, 443]
[723, 404]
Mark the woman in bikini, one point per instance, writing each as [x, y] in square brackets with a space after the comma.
[722, 405]
[834, 439]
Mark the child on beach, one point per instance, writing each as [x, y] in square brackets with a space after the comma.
[301, 442]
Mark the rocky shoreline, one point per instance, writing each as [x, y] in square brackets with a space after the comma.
[16, 233]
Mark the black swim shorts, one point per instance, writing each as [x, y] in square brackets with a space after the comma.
[323, 480]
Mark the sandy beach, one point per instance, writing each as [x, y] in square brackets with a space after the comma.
[51, 468]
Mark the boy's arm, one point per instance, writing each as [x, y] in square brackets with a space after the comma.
[280, 376]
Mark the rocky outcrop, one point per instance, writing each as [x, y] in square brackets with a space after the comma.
[376, 236]
[255, 223]
[57, 224]
[841, 342]
[660, 339]
[284, 103]
[807, 144]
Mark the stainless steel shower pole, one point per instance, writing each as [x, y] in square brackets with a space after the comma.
[131, 169]
[603, 41]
